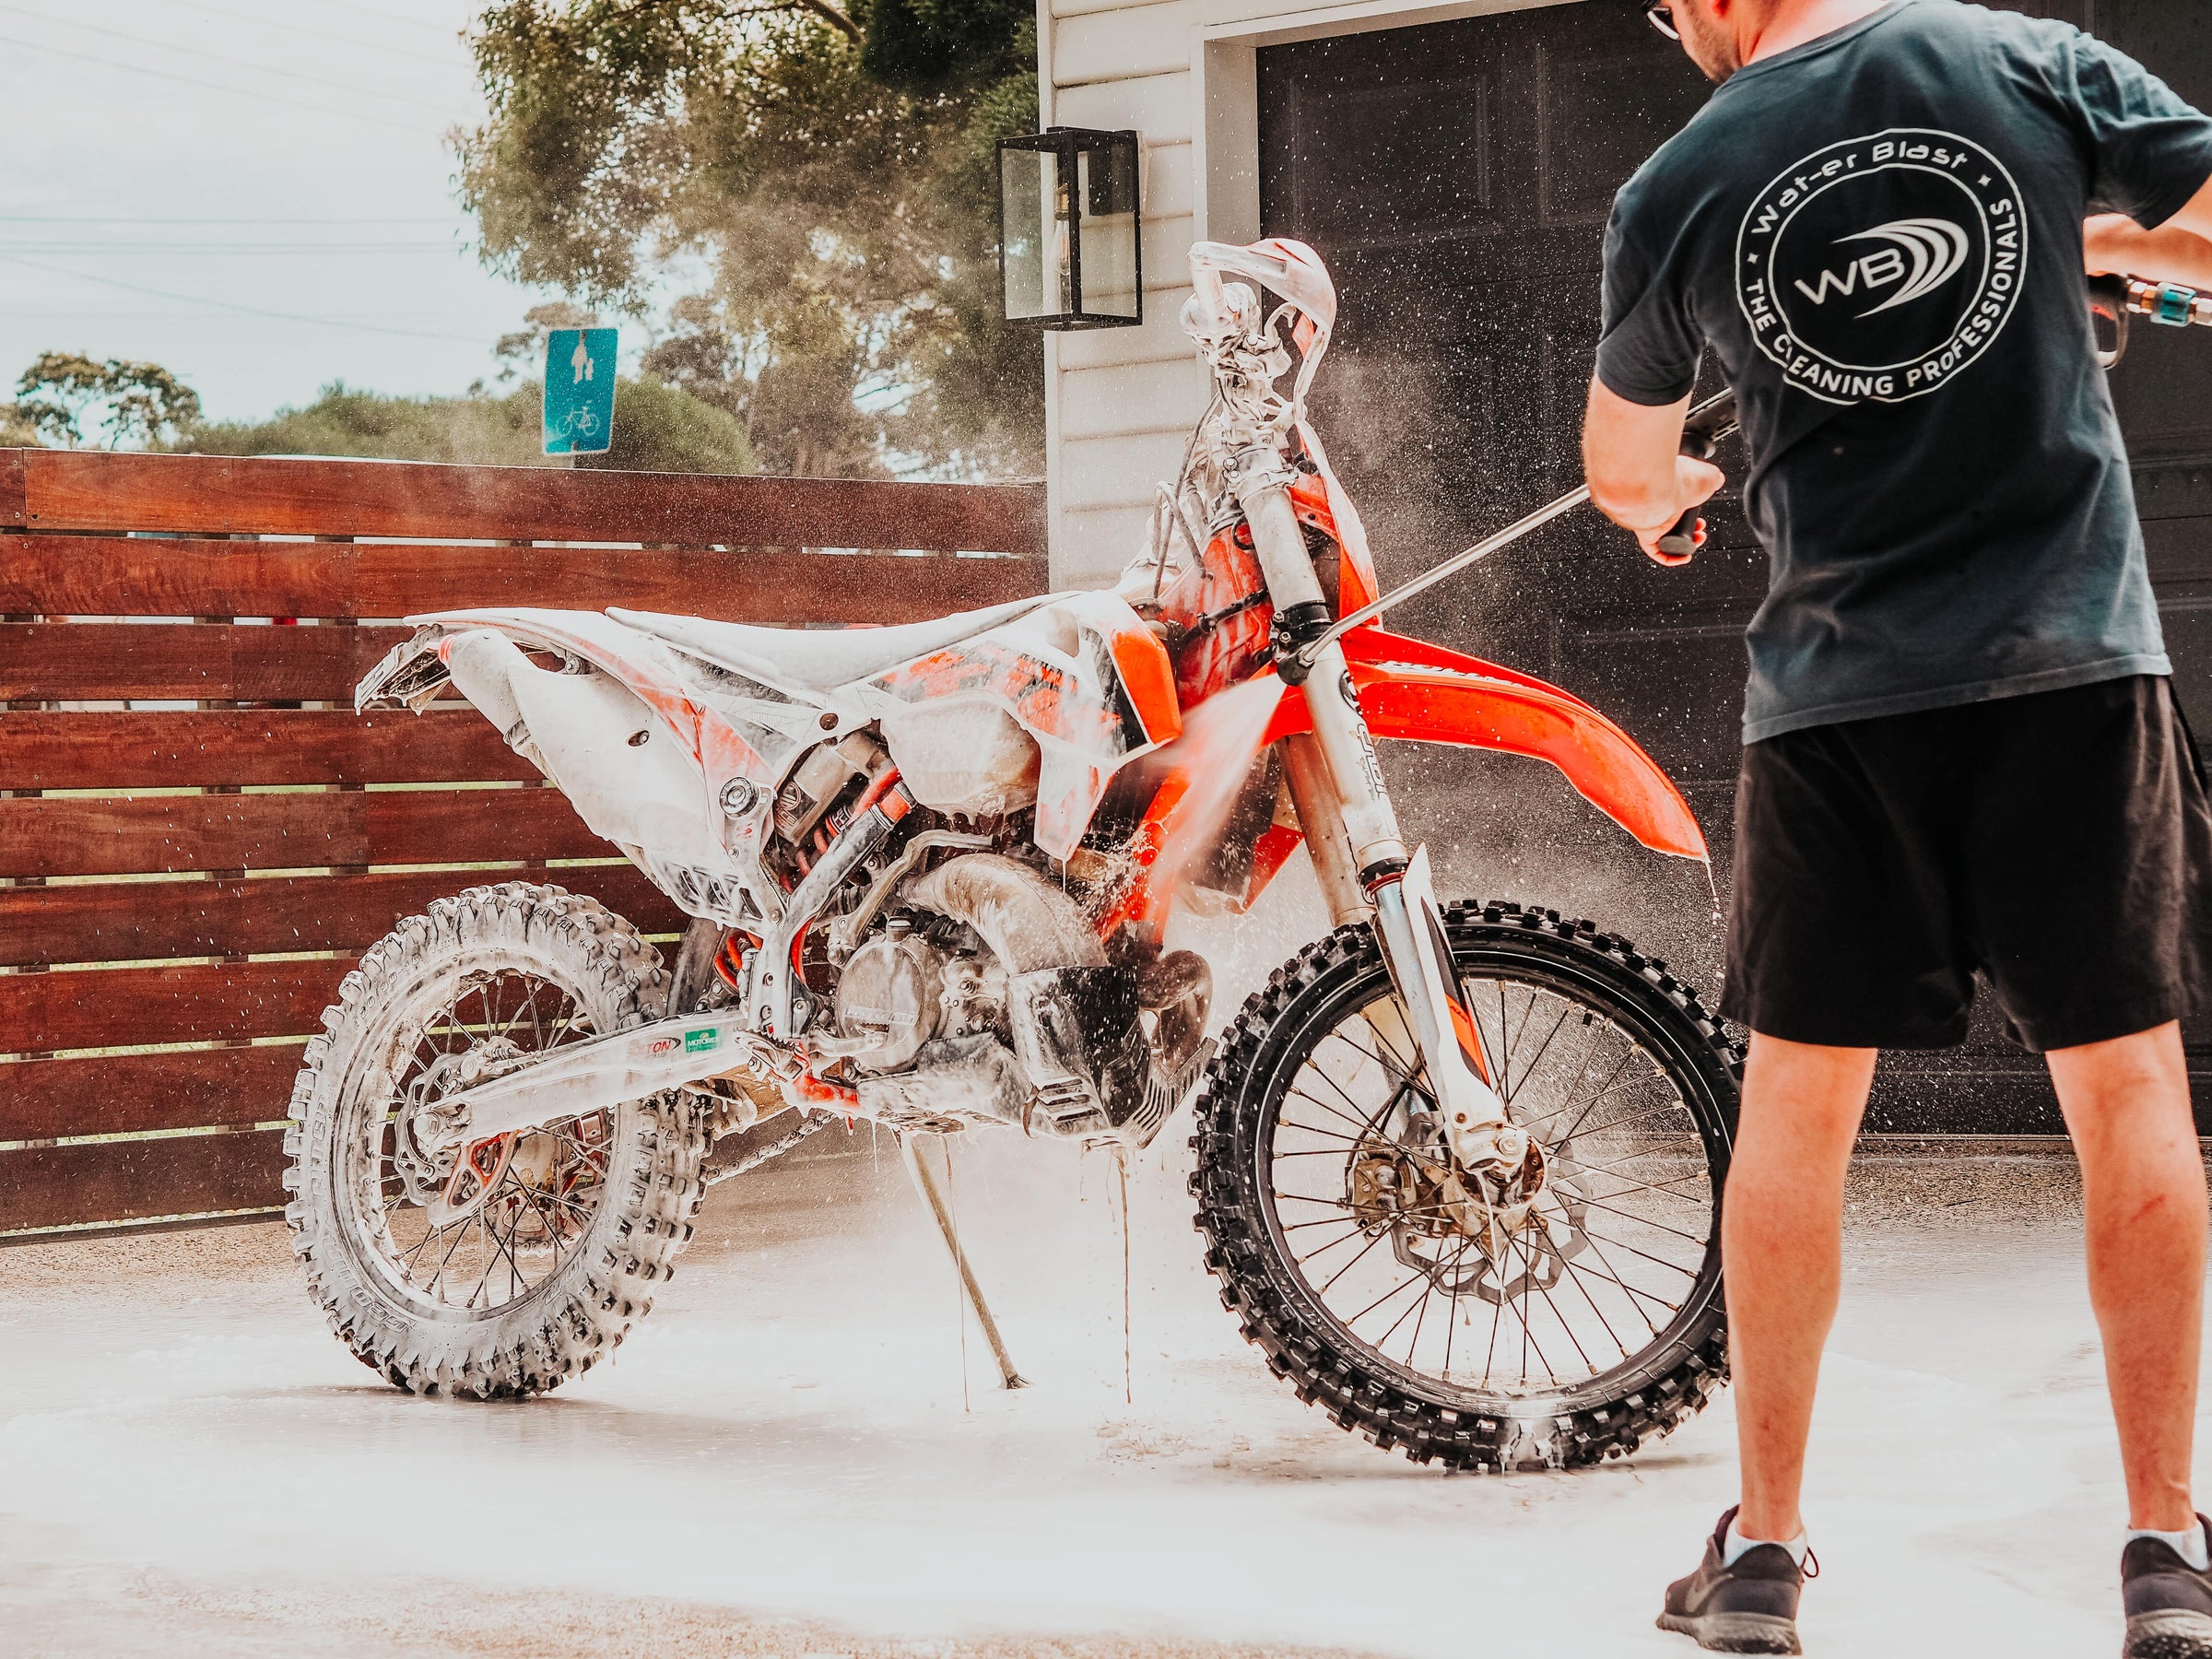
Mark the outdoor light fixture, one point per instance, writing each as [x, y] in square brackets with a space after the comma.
[1067, 229]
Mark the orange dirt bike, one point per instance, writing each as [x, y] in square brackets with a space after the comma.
[1458, 1166]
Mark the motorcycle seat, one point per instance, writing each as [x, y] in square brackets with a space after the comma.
[817, 659]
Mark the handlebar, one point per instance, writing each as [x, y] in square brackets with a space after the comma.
[1207, 289]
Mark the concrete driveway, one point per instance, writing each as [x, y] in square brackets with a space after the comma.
[784, 1458]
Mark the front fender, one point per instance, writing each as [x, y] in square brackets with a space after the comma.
[1409, 688]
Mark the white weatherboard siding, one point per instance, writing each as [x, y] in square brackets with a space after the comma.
[1119, 402]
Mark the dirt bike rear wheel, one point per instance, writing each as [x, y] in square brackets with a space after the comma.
[582, 1218]
[1601, 1323]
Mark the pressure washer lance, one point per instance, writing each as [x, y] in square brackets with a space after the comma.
[1708, 423]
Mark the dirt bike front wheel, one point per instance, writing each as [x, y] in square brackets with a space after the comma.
[560, 1234]
[1553, 1332]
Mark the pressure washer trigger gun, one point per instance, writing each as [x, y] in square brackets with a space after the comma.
[2108, 298]
[1708, 423]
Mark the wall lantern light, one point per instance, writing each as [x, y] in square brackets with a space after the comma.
[1067, 229]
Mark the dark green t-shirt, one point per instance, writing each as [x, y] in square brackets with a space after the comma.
[1880, 234]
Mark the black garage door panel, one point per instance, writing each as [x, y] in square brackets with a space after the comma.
[1456, 176]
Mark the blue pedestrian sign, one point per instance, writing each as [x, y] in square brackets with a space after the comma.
[579, 391]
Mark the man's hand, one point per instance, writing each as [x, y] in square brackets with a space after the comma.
[1639, 478]
[2178, 251]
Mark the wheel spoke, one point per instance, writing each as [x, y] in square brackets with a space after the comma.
[1632, 1185]
[1643, 1220]
[1505, 1046]
[1544, 1048]
[1349, 1140]
[1594, 1098]
[1688, 1273]
[1612, 1276]
[1574, 1274]
[1452, 1267]
[1353, 1263]
[1359, 1230]
[1341, 1093]
[1398, 1062]
[1365, 1127]
[1411, 1278]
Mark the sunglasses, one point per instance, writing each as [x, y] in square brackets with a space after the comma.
[1660, 15]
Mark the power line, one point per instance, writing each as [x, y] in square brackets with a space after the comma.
[174, 322]
[232, 249]
[250, 310]
[370, 11]
[224, 57]
[72, 218]
[319, 34]
[191, 81]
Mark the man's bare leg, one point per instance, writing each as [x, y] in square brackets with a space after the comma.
[2127, 1104]
[1782, 1237]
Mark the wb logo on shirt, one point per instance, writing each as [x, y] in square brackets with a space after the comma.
[1922, 256]
[1880, 267]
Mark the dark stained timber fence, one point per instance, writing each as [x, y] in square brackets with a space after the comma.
[198, 835]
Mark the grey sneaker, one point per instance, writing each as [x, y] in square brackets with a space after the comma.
[1751, 1608]
[2169, 1602]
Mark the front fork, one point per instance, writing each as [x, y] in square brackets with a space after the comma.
[1343, 782]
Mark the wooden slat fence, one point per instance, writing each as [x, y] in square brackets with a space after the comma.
[198, 835]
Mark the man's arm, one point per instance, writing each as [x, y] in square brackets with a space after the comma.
[2178, 251]
[1639, 478]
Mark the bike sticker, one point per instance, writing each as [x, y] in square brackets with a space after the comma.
[699, 1042]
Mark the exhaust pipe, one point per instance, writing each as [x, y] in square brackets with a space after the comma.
[1029, 923]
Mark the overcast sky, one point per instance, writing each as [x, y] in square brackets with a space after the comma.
[256, 194]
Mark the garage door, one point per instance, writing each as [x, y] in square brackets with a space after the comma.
[1456, 177]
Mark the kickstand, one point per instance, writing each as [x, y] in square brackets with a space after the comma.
[925, 1183]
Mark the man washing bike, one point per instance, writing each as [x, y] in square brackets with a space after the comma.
[1961, 750]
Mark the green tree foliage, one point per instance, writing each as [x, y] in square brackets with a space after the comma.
[139, 404]
[932, 45]
[658, 427]
[801, 194]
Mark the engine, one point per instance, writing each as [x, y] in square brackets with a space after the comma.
[891, 997]
[986, 993]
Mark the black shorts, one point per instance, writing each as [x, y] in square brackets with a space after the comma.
[2059, 843]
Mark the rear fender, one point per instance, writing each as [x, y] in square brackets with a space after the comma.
[646, 670]
[1411, 689]
[599, 742]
